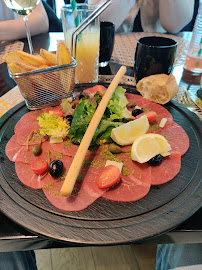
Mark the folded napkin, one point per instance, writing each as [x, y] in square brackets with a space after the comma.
[10, 99]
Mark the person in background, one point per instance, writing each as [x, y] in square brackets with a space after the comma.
[12, 26]
[156, 16]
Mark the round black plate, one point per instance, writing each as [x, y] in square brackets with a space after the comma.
[106, 222]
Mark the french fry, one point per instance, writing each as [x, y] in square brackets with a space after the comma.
[47, 81]
[33, 60]
[63, 55]
[49, 57]
[18, 67]
[11, 57]
[44, 66]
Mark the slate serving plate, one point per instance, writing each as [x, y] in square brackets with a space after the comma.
[106, 222]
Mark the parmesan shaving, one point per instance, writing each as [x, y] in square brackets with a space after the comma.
[77, 162]
[119, 165]
[163, 122]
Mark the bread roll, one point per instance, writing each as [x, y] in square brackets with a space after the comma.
[159, 88]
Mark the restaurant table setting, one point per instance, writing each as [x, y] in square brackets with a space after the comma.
[163, 216]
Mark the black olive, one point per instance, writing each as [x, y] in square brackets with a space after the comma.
[37, 150]
[135, 112]
[69, 118]
[155, 161]
[56, 168]
[82, 95]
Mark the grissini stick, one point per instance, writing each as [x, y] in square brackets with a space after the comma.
[77, 162]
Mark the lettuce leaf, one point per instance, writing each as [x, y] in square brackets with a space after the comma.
[53, 125]
[85, 111]
[82, 117]
[117, 103]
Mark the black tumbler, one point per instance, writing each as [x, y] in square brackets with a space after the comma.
[154, 55]
[107, 31]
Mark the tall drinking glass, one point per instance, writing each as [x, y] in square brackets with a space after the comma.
[24, 8]
[87, 46]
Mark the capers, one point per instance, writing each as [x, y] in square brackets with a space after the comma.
[136, 112]
[37, 150]
[115, 149]
[155, 161]
[131, 105]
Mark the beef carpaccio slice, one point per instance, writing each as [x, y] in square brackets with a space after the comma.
[85, 192]
[149, 105]
[23, 133]
[167, 170]
[27, 156]
[13, 148]
[31, 117]
[176, 136]
[32, 180]
[29, 178]
[27, 119]
[134, 184]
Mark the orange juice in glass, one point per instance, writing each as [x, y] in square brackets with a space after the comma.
[87, 47]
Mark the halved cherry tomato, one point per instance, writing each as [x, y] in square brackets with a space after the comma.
[94, 89]
[108, 176]
[39, 166]
[151, 116]
[56, 111]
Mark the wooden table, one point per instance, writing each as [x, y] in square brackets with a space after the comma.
[14, 237]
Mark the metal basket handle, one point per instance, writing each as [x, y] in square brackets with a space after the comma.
[86, 22]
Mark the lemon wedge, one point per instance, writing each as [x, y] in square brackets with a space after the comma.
[127, 133]
[148, 146]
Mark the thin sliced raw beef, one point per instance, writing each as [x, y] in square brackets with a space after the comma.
[13, 148]
[29, 178]
[23, 133]
[27, 119]
[167, 170]
[85, 192]
[94, 89]
[27, 156]
[66, 148]
[177, 137]
[133, 186]
[31, 117]
[70, 149]
[32, 180]
[149, 105]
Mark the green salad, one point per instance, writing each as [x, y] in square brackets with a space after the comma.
[113, 116]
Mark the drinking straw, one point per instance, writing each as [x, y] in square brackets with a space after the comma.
[200, 46]
[199, 53]
[74, 11]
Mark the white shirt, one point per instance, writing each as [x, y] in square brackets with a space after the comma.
[6, 13]
[156, 15]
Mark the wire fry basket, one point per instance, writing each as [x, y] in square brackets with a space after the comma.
[46, 87]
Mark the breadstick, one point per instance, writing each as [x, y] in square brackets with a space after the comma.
[77, 162]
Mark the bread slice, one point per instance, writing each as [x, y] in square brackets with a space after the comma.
[159, 88]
